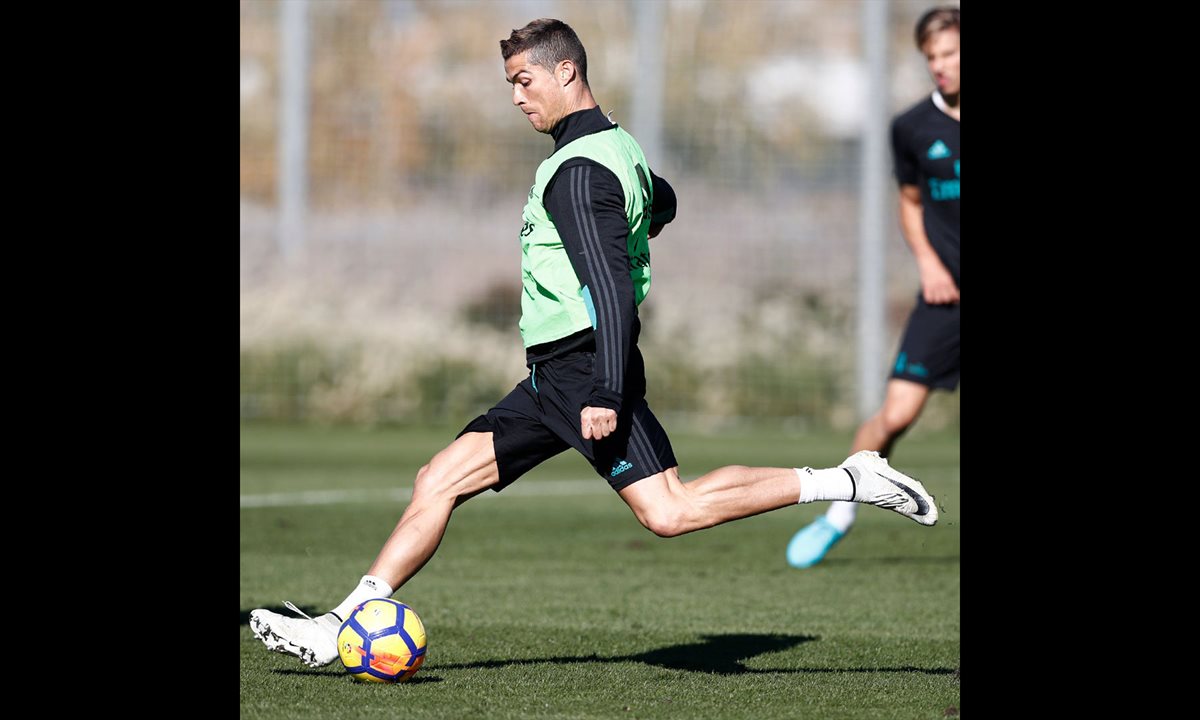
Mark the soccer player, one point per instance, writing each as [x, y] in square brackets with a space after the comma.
[925, 150]
[585, 265]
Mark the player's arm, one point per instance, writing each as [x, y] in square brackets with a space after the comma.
[937, 285]
[587, 204]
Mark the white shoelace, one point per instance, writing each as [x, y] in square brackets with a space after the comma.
[287, 604]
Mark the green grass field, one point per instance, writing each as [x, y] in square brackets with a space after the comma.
[550, 600]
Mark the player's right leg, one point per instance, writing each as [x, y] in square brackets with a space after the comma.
[462, 470]
[902, 404]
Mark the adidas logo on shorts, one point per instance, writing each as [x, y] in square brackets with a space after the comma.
[620, 467]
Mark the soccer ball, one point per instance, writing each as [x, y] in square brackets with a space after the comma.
[382, 641]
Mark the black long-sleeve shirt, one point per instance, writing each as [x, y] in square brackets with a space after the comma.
[587, 204]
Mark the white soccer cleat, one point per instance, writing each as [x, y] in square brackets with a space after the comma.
[879, 484]
[313, 640]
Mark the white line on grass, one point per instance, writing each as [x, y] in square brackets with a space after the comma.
[541, 488]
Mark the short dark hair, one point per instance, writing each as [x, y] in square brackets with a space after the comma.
[548, 42]
[935, 20]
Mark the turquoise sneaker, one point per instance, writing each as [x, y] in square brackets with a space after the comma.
[810, 544]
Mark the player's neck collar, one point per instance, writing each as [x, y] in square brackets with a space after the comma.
[940, 102]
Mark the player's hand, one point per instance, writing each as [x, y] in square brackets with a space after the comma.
[937, 286]
[597, 423]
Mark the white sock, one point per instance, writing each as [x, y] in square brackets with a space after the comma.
[841, 515]
[828, 484]
[369, 588]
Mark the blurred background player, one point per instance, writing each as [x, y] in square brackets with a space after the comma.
[925, 152]
[586, 266]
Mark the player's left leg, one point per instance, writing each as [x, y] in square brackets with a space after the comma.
[640, 465]
[668, 507]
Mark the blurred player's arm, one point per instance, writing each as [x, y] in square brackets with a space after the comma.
[937, 285]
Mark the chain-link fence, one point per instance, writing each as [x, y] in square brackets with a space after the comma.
[402, 302]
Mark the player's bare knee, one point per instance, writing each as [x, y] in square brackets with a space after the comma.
[429, 483]
[895, 421]
[664, 522]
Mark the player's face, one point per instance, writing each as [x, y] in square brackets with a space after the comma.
[941, 57]
[536, 92]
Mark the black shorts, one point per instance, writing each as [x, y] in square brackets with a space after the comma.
[540, 418]
[929, 351]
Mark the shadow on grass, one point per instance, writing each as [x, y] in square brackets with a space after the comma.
[720, 654]
[716, 654]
